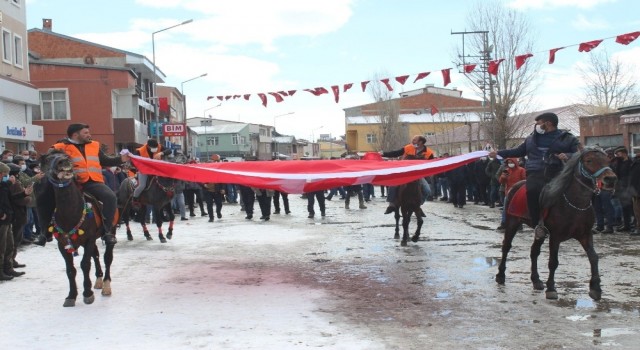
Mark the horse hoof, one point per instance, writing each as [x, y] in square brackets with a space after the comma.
[414, 239]
[538, 285]
[552, 294]
[106, 288]
[595, 295]
[98, 284]
[149, 238]
[169, 235]
[89, 300]
[403, 243]
[162, 239]
[397, 236]
[69, 303]
[129, 236]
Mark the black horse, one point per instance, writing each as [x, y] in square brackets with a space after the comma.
[158, 194]
[76, 223]
[567, 213]
[407, 203]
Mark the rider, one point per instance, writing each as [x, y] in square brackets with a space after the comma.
[546, 148]
[150, 150]
[88, 159]
[415, 150]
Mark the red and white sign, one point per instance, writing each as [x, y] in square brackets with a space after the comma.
[174, 130]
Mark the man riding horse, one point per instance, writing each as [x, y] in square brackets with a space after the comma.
[547, 148]
[153, 151]
[88, 159]
[415, 150]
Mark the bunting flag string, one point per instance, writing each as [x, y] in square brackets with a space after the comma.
[493, 67]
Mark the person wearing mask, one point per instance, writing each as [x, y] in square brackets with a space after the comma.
[20, 198]
[27, 178]
[6, 217]
[88, 159]
[153, 151]
[7, 156]
[634, 187]
[623, 191]
[511, 174]
[492, 172]
[546, 148]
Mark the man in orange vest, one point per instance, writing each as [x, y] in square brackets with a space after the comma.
[88, 159]
[415, 150]
[150, 150]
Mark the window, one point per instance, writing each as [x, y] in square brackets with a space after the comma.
[6, 46]
[243, 140]
[17, 50]
[604, 141]
[212, 141]
[372, 138]
[54, 105]
[234, 139]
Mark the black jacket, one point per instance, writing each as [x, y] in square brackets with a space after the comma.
[6, 208]
[537, 158]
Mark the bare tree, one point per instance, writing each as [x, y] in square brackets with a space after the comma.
[608, 83]
[391, 133]
[510, 91]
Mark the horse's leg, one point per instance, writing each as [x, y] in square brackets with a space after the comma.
[96, 262]
[85, 264]
[71, 275]
[511, 228]
[594, 284]
[158, 219]
[397, 217]
[108, 259]
[172, 217]
[554, 247]
[406, 218]
[416, 236]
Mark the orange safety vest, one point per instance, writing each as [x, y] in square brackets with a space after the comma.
[85, 169]
[143, 151]
[409, 150]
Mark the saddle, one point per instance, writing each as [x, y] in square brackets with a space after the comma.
[97, 205]
[517, 204]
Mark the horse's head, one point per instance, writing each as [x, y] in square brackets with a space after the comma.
[594, 164]
[58, 168]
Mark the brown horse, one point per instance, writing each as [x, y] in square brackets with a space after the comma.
[567, 213]
[76, 223]
[407, 203]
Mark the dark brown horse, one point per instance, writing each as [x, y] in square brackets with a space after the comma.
[74, 225]
[158, 194]
[567, 213]
[407, 203]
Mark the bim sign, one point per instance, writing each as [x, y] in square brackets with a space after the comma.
[174, 130]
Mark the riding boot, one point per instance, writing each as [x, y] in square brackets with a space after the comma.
[540, 232]
[109, 239]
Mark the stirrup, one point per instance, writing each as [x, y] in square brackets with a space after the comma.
[540, 232]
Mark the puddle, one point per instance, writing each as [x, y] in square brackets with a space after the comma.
[610, 332]
[578, 318]
[578, 303]
[442, 295]
[485, 263]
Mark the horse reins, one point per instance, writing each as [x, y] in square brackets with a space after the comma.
[593, 177]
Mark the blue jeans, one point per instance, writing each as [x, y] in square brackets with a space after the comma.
[232, 194]
[604, 210]
[367, 191]
[443, 184]
[178, 202]
[336, 190]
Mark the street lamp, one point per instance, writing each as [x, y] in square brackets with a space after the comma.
[153, 48]
[184, 103]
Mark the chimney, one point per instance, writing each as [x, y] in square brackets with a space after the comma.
[47, 24]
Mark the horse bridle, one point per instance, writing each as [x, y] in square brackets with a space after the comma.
[165, 189]
[51, 173]
[593, 177]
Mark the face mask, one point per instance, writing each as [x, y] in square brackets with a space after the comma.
[484, 158]
[415, 145]
[5, 178]
[33, 159]
[36, 170]
[511, 165]
[10, 158]
[23, 167]
[539, 129]
[155, 149]
[113, 169]
[490, 158]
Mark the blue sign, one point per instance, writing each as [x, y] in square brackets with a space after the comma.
[154, 130]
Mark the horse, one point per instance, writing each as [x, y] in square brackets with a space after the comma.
[158, 194]
[408, 202]
[76, 222]
[567, 213]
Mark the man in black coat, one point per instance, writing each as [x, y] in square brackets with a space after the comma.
[634, 187]
[623, 192]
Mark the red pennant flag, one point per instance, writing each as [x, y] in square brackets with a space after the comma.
[236, 96]
[317, 91]
[291, 92]
[520, 60]
[227, 97]
[246, 96]
[626, 39]
[336, 92]
[493, 66]
[468, 68]
[364, 85]
[446, 76]
[209, 97]
[552, 54]
[283, 93]
[421, 76]
[347, 87]
[221, 98]
[434, 110]
[263, 97]
[163, 104]
[402, 79]
[386, 83]
[589, 45]
[277, 96]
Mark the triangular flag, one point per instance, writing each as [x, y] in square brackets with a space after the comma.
[552, 54]
[589, 45]
[385, 81]
[246, 96]
[402, 79]
[277, 96]
[227, 97]
[446, 76]
[434, 110]
[263, 97]
[347, 87]
[364, 85]
[317, 91]
[336, 92]
[236, 96]
[291, 92]
[520, 60]
[493, 66]
[626, 39]
[468, 68]
[221, 98]
[421, 76]
[209, 97]
[283, 93]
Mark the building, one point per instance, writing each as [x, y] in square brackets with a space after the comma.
[620, 128]
[172, 110]
[18, 97]
[226, 140]
[390, 124]
[110, 89]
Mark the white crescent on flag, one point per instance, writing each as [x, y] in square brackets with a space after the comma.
[301, 176]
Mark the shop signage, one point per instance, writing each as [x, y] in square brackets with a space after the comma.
[174, 130]
[630, 118]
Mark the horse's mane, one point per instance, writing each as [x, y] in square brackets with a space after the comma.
[555, 189]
